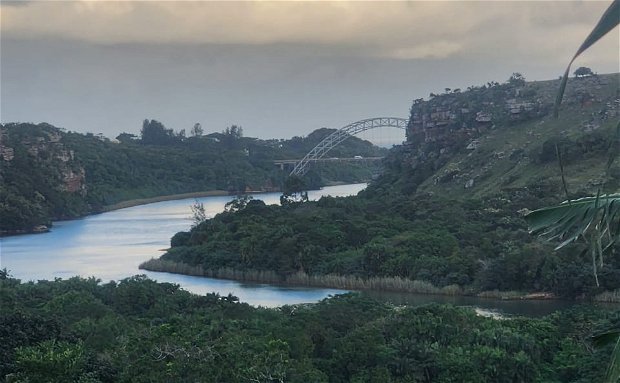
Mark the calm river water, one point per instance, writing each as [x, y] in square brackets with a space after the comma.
[111, 245]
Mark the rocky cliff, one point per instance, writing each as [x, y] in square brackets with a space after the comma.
[44, 148]
[39, 178]
[502, 136]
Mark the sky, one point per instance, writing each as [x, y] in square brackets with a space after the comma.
[278, 69]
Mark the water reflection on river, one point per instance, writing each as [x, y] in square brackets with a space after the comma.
[110, 246]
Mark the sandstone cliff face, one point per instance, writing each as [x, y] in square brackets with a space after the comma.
[43, 146]
[73, 182]
[449, 118]
[453, 118]
[490, 136]
[40, 178]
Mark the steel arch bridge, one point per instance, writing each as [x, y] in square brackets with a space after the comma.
[342, 134]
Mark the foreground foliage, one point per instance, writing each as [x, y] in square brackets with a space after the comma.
[137, 330]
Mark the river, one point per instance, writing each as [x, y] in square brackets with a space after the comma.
[111, 245]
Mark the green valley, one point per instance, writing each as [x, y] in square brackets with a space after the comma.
[481, 249]
[446, 216]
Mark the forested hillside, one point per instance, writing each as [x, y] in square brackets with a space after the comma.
[447, 214]
[49, 174]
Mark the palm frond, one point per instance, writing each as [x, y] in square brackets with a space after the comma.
[609, 20]
[572, 219]
[596, 220]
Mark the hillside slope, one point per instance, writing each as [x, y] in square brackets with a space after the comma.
[447, 214]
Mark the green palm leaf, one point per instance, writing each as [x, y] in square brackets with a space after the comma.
[572, 219]
[609, 20]
[593, 219]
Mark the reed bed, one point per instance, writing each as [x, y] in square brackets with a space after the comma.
[263, 276]
[302, 279]
[342, 282]
[608, 296]
[373, 283]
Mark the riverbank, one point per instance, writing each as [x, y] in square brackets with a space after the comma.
[144, 201]
[392, 284]
[170, 197]
[302, 279]
[121, 205]
[341, 183]
[209, 193]
[131, 203]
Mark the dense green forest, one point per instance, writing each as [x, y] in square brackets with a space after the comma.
[137, 330]
[448, 209]
[48, 173]
[474, 244]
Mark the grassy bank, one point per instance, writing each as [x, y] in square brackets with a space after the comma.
[343, 282]
[302, 279]
[608, 296]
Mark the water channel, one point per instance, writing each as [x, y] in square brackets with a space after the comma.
[111, 245]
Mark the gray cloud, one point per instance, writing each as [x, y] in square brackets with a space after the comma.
[393, 29]
[278, 69]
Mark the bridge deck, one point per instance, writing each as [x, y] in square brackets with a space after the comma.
[329, 159]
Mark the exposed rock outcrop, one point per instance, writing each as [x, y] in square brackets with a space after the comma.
[44, 145]
[466, 138]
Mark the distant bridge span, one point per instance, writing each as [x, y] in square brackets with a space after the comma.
[283, 163]
[342, 134]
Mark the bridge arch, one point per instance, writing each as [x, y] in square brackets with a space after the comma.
[342, 134]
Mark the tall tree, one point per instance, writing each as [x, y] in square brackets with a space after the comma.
[154, 132]
[583, 71]
[197, 130]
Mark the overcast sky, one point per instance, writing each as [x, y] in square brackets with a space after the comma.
[278, 69]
